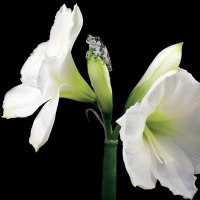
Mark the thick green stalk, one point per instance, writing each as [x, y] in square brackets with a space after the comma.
[109, 170]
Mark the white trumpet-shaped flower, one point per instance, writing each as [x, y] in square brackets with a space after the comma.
[49, 73]
[161, 135]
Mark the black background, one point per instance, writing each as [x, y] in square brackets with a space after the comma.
[69, 165]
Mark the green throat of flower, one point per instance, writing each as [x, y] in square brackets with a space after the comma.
[159, 152]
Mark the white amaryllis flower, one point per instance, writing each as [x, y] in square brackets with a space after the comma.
[161, 135]
[49, 73]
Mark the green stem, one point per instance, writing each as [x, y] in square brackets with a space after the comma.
[109, 170]
[109, 130]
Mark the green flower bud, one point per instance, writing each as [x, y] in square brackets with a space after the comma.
[100, 80]
[166, 61]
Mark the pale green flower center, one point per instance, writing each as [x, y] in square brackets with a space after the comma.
[160, 153]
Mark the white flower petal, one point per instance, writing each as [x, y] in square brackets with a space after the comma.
[65, 30]
[48, 80]
[132, 126]
[44, 121]
[22, 101]
[177, 175]
[30, 69]
[67, 71]
[77, 23]
[138, 167]
[176, 97]
[191, 147]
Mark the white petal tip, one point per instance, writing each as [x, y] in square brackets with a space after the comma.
[35, 143]
[5, 117]
[76, 9]
[181, 43]
[8, 114]
[120, 120]
[179, 46]
[75, 6]
[36, 149]
[63, 7]
[36, 146]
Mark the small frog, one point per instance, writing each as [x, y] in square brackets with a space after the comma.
[97, 48]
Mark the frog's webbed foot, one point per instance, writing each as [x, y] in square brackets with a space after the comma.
[95, 57]
[109, 67]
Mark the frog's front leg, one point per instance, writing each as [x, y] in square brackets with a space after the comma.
[96, 53]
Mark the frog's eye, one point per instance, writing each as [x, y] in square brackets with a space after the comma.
[96, 39]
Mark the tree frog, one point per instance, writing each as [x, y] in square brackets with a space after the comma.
[97, 48]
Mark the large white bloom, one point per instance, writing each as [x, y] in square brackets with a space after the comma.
[49, 73]
[161, 135]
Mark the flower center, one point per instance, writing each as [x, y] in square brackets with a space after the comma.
[160, 153]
